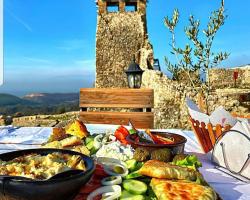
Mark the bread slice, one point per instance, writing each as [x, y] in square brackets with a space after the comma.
[181, 190]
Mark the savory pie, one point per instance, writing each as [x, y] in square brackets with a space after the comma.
[78, 129]
[162, 170]
[181, 190]
[57, 134]
[37, 166]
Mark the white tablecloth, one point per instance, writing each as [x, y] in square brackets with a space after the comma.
[228, 187]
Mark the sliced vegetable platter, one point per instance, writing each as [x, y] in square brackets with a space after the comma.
[127, 173]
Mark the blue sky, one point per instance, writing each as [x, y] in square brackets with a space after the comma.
[49, 45]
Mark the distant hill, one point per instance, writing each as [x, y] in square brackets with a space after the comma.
[52, 98]
[10, 100]
[39, 103]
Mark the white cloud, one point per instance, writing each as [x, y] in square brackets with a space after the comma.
[70, 45]
[37, 60]
[87, 62]
[42, 69]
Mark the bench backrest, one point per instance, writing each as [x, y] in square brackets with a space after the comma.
[141, 100]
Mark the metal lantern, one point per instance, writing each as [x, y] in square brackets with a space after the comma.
[134, 74]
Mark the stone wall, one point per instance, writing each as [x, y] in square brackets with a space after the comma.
[119, 36]
[44, 120]
[170, 109]
[221, 78]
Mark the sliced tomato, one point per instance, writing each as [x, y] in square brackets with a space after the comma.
[121, 133]
[124, 142]
[99, 171]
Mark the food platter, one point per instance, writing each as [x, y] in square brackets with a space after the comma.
[129, 164]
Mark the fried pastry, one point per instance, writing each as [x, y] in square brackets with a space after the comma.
[162, 170]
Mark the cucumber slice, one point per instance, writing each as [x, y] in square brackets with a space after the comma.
[90, 145]
[128, 196]
[131, 164]
[135, 187]
[89, 139]
[134, 174]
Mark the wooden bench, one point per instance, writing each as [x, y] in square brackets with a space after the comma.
[141, 100]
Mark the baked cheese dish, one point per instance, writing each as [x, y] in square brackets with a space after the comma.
[41, 167]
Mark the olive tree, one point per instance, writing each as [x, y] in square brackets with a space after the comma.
[197, 55]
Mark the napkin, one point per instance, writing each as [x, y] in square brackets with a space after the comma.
[222, 117]
[218, 116]
[24, 135]
[195, 112]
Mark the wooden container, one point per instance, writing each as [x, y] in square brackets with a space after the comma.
[207, 134]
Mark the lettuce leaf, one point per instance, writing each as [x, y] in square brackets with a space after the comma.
[191, 161]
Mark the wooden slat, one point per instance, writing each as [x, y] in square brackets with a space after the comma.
[116, 98]
[198, 134]
[218, 130]
[211, 133]
[206, 136]
[139, 119]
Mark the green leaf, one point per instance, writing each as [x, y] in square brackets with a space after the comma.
[190, 161]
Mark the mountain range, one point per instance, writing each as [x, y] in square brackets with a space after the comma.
[38, 103]
[52, 98]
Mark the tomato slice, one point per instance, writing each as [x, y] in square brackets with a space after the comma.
[121, 133]
[124, 142]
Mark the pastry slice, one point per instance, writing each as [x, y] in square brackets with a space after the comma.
[162, 170]
[71, 141]
[78, 129]
[54, 144]
[181, 190]
[81, 149]
[57, 134]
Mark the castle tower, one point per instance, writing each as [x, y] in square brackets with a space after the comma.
[121, 34]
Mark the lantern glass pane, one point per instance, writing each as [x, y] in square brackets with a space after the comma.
[131, 81]
[138, 80]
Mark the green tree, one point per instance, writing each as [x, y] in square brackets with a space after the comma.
[197, 54]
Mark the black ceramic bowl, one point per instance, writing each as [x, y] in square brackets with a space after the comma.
[176, 148]
[62, 188]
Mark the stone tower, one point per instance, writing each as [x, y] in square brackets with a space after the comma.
[121, 34]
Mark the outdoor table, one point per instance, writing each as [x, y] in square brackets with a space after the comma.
[226, 186]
